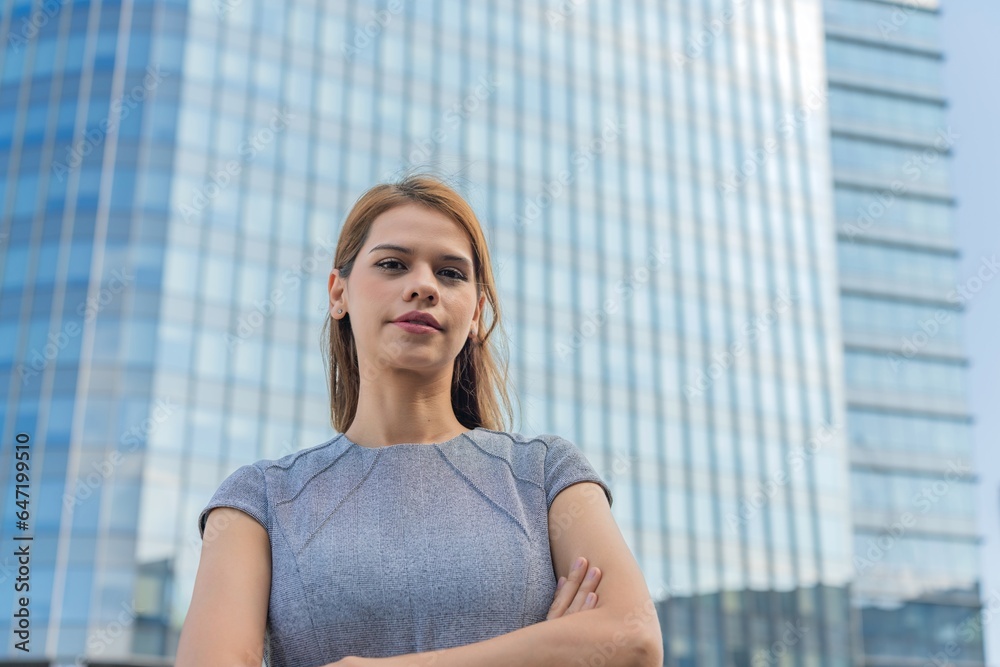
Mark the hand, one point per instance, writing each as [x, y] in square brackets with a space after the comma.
[571, 593]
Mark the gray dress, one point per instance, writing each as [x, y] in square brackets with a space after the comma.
[406, 548]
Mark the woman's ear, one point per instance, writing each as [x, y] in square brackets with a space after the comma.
[473, 332]
[338, 296]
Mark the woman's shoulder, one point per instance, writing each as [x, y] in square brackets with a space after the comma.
[520, 440]
[276, 476]
[316, 455]
[255, 487]
[542, 452]
[558, 460]
[547, 446]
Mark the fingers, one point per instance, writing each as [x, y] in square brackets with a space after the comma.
[572, 594]
[566, 594]
[591, 578]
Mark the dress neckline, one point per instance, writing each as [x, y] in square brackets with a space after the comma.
[408, 445]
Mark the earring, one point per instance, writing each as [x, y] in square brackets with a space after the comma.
[340, 310]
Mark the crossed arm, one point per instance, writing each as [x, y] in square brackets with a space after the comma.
[226, 620]
[623, 630]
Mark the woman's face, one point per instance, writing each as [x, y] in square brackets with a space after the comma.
[432, 273]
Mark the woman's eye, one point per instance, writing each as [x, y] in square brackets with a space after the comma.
[455, 274]
[387, 261]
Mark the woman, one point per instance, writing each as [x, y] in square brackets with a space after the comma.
[424, 534]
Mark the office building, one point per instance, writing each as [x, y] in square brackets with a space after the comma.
[656, 185]
[915, 596]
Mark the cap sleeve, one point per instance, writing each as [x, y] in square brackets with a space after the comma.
[565, 465]
[244, 490]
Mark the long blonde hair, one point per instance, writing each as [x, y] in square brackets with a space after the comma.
[479, 393]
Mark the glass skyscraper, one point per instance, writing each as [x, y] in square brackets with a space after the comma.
[655, 180]
[916, 563]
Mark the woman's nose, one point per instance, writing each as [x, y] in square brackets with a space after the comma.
[423, 284]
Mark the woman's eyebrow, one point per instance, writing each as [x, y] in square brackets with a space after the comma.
[409, 251]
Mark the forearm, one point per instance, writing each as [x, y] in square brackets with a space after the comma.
[599, 636]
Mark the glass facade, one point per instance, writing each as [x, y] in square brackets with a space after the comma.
[83, 166]
[655, 182]
[915, 596]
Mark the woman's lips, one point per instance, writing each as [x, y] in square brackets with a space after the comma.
[412, 327]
